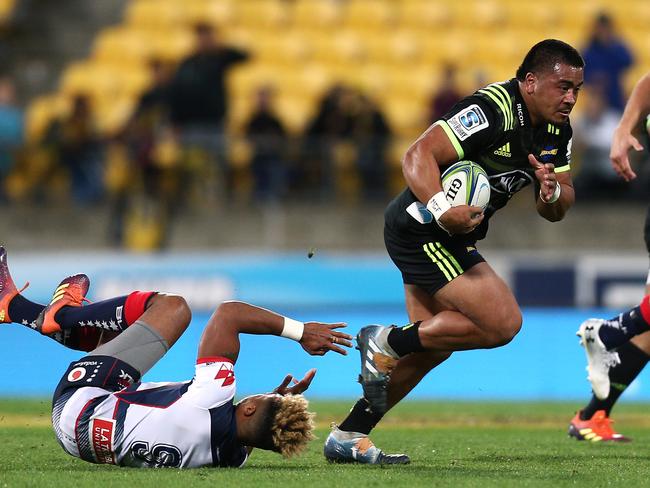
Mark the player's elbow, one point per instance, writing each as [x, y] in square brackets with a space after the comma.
[227, 314]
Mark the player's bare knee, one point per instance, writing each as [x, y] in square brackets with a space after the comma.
[175, 306]
[503, 327]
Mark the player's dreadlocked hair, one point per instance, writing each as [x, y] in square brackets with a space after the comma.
[544, 55]
[291, 425]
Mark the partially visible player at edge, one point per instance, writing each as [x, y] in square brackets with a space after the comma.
[617, 349]
[519, 132]
[102, 413]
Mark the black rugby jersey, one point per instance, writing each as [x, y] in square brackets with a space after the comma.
[492, 127]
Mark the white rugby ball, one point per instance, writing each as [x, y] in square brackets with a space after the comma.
[466, 183]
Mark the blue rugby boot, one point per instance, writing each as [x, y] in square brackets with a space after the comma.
[377, 362]
[354, 447]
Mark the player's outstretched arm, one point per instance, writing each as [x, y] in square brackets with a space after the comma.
[637, 107]
[556, 194]
[221, 334]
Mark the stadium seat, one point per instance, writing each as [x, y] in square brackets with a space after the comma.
[322, 14]
[121, 45]
[272, 15]
[41, 112]
[152, 13]
[220, 13]
[370, 14]
[425, 15]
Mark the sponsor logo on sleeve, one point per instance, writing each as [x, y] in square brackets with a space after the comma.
[468, 121]
[102, 432]
[76, 374]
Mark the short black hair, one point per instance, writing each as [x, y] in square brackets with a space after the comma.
[544, 55]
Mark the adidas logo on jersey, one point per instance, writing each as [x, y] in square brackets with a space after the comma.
[504, 151]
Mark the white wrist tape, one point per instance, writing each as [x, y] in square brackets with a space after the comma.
[556, 194]
[292, 329]
[438, 205]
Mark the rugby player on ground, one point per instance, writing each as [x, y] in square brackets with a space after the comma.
[519, 132]
[617, 349]
[103, 413]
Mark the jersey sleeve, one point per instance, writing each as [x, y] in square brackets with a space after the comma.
[563, 161]
[213, 384]
[472, 123]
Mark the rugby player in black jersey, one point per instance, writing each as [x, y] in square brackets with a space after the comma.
[617, 349]
[519, 132]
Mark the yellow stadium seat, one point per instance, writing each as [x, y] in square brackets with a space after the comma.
[373, 14]
[217, 13]
[41, 112]
[406, 116]
[152, 13]
[427, 15]
[172, 44]
[291, 48]
[6, 10]
[294, 112]
[111, 114]
[264, 14]
[122, 45]
[324, 14]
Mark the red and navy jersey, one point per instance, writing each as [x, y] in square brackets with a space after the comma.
[183, 425]
[492, 127]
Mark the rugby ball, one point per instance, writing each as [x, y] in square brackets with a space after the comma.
[466, 183]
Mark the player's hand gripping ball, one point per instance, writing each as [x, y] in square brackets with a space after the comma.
[466, 183]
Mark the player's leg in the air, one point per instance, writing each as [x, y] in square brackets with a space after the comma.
[64, 319]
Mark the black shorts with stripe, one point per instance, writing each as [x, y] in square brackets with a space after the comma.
[429, 263]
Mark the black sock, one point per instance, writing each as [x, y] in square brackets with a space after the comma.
[621, 329]
[361, 418]
[405, 340]
[632, 362]
[23, 311]
[108, 315]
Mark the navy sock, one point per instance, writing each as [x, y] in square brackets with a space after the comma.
[23, 311]
[633, 360]
[621, 329]
[108, 314]
[361, 418]
[405, 340]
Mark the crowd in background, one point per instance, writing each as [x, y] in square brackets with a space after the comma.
[175, 150]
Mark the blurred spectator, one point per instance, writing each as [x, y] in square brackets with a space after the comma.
[198, 98]
[446, 97]
[330, 125]
[371, 136]
[135, 173]
[269, 141]
[77, 147]
[607, 57]
[594, 128]
[11, 129]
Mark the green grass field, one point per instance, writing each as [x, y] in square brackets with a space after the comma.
[450, 444]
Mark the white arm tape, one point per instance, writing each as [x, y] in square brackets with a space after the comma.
[292, 329]
[556, 194]
[438, 205]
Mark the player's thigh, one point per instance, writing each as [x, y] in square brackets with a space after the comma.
[420, 305]
[483, 297]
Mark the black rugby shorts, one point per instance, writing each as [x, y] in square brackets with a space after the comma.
[429, 263]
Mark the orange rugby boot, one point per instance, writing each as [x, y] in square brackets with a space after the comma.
[597, 429]
[71, 292]
[8, 288]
